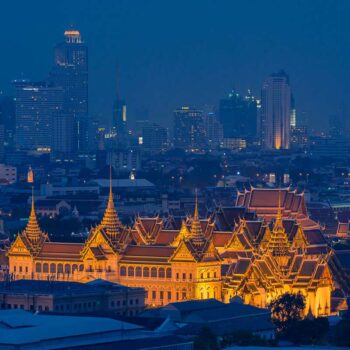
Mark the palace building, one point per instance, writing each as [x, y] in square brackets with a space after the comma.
[258, 250]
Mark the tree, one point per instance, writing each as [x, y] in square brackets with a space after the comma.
[206, 340]
[286, 310]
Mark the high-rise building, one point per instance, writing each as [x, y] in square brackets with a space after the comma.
[8, 119]
[238, 115]
[213, 130]
[276, 112]
[2, 141]
[119, 121]
[189, 133]
[63, 137]
[154, 138]
[70, 71]
[293, 113]
[37, 103]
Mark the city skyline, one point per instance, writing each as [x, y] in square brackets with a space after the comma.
[160, 70]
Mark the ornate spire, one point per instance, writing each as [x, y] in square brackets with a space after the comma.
[32, 231]
[183, 235]
[279, 222]
[196, 233]
[110, 219]
[279, 243]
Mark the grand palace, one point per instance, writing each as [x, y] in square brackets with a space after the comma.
[262, 247]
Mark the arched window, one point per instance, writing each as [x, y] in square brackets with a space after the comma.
[52, 268]
[202, 275]
[67, 269]
[45, 267]
[38, 267]
[81, 267]
[153, 272]
[215, 274]
[145, 272]
[138, 271]
[74, 268]
[60, 268]
[161, 273]
[122, 271]
[130, 271]
[168, 272]
[184, 294]
[208, 275]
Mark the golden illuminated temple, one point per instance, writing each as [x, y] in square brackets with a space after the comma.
[261, 248]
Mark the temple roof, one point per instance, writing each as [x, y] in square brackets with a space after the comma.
[264, 202]
[60, 251]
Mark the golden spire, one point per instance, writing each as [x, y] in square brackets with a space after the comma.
[279, 222]
[183, 235]
[279, 243]
[110, 219]
[32, 231]
[196, 233]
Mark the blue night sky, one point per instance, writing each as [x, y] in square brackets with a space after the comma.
[172, 53]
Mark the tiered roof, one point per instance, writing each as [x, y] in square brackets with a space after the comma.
[264, 202]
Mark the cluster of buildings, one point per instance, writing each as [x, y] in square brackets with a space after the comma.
[264, 246]
[52, 118]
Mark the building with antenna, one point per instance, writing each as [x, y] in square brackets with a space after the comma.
[256, 255]
[70, 73]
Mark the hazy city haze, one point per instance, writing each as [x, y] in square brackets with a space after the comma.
[171, 53]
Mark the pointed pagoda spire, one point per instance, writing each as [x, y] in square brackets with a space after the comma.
[279, 221]
[32, 231]
[279, 243]
[110, 219]
[183, 235]
[196, 233]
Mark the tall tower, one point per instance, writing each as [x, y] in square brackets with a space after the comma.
[189, 132]
[36, 105]
[238, 115]
[70, 72]
[276, 111]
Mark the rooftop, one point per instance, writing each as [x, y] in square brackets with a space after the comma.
[58, 288]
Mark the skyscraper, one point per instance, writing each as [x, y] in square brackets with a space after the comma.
[189, 133]
[63, 137]
[293, 113]
[37, 103]
[276, 111]
[70, 71]
[119, 121]
[8, 119]
[213, 130]
[238, 115]
[154, 138]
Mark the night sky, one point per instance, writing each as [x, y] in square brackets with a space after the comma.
[171, 53]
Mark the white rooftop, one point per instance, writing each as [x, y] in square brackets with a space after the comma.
[124, 183]
[21, 329]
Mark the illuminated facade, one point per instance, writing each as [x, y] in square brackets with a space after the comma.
[275, 112]
[70, 72]
[233, 253]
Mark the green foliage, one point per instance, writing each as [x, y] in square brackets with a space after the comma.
[245, 338]
[287, 309]
[206, 340]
